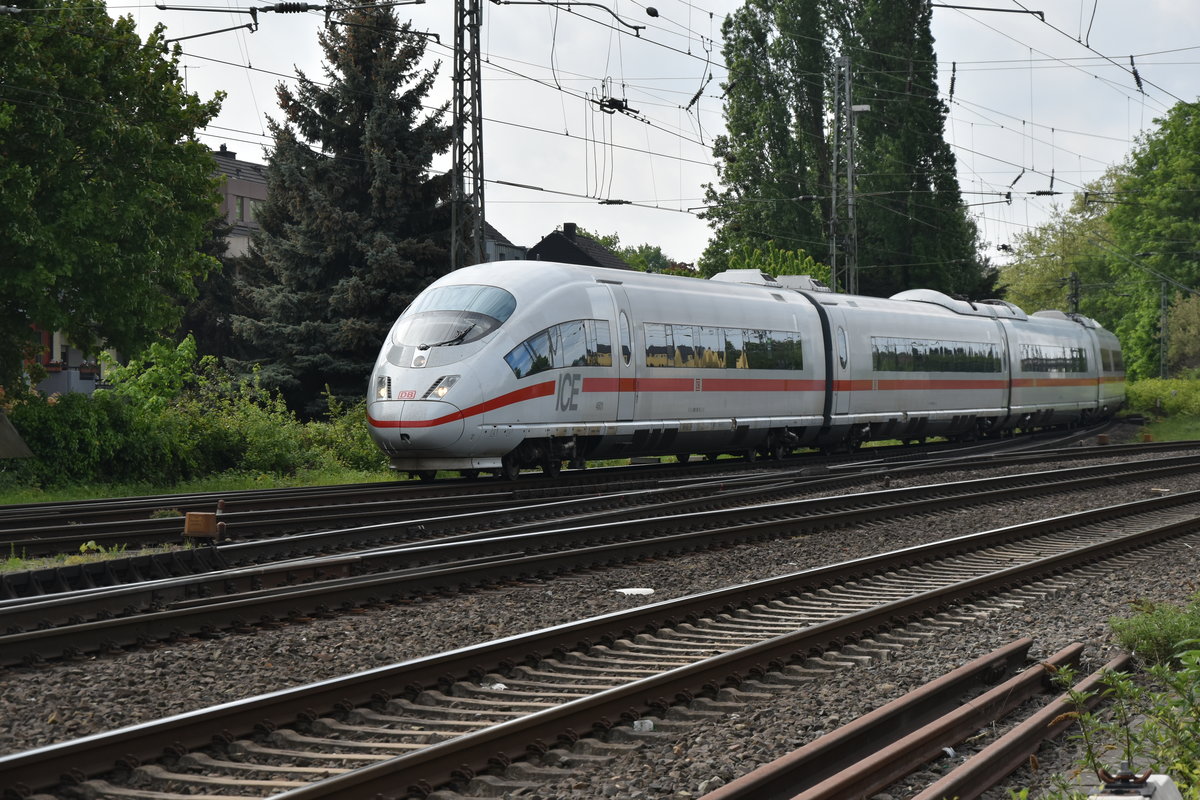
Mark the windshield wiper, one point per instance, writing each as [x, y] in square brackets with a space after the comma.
[456, 340]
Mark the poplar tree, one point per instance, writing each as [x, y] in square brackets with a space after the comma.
[354, 224]
[913, 229]
[773, 163]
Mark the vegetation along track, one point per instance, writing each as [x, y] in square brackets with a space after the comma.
[428, 722]
[107, 619]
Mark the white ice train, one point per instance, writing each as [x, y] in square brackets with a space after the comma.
[516, 364]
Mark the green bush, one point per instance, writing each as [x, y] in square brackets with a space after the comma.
[172, 417]
[1164, 396]
[1157, 633]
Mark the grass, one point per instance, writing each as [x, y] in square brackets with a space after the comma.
[225, 482]
[88, 553]
[1174, 429]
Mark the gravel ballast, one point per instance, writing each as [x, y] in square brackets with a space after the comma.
[67, 700]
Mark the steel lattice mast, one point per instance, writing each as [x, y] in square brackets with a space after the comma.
[466, 216]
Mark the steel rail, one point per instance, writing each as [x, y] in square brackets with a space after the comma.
[431, 766]
[270, 592]
[639, 505]
[436, 765]
[839, 764]
[999, 759]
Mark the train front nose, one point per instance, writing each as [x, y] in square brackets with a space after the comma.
[414, 426]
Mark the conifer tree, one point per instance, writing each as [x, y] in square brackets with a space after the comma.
[354, 225]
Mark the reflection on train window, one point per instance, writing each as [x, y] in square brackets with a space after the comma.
[578, 343]
[445, 316]
[1053, 358]
[626, 340]
[890, 354]
[709, 347]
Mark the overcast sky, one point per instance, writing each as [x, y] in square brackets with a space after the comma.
[1029, 96]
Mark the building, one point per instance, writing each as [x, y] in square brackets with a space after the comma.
[569, 246]
[498, 248]
[242, 192]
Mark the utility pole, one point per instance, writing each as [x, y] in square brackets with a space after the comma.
[1074, 291]
[466, 201]
[836, 278]
[845, 278]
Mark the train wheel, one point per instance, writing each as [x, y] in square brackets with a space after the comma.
[469, 473]
[551, 467]
[711, 456]
[750, 455]
[510, 470]
[779, 450]
[683, 458]
[426, 474]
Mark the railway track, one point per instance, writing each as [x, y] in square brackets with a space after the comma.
[482, 513]
[449, 719]
[41, 529]
[872, 753]
[105, 620]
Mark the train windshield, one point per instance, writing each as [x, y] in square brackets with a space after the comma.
[451, 315]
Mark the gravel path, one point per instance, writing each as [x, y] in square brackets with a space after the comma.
[67, 700]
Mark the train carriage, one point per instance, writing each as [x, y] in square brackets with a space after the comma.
[516, 364]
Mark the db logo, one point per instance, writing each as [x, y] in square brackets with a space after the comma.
[406, 395]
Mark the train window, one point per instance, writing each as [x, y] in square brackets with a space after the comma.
[1053, 358]
[626, 341]
[710, 347]
[574, 344]
[890, 354]
[735, 355]
[599, 343]
[758, 349]
[445, 316]
[685, 346]
[712, 350]
[578, 343]
[787, 350]
[660, 349]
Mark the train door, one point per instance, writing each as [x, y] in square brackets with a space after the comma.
[1006, 355]
[841, 367]
[623, 356]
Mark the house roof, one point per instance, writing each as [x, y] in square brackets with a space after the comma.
[572, 247]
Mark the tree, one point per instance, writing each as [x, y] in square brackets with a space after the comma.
[1183, 333]
[776, 261]
[104, 190]
[913, 229]
[1045, 258]
[773, 163]
[354, 225]
[1154, 217]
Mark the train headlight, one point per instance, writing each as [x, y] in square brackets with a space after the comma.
[383, 387]
[440, 387]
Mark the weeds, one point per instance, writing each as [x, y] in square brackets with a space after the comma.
[1150, 720]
